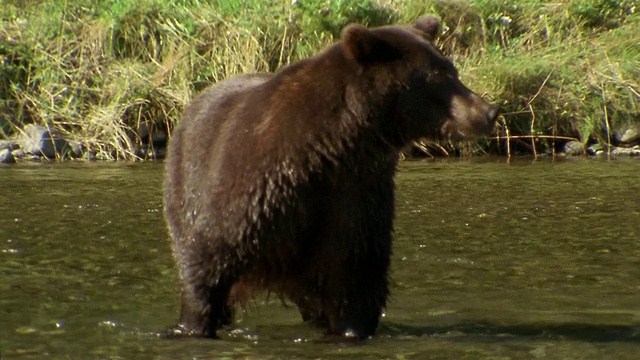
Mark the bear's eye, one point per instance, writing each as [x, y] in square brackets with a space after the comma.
[454, 74]
[436, 75]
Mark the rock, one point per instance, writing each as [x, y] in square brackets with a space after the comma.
[104, 156]
[39, 140]
[6, 157]
[89, 155]
[19, 153]
[149, 153]
[8, 144]
[623, 151]
[628, 134]
[596, 149]
[152, 134]
[76, 149]
[574, 148]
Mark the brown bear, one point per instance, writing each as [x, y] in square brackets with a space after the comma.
[285, 182]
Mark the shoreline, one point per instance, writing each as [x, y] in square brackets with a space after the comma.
[37, 143]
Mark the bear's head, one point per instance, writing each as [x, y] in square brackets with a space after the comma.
[414, 84]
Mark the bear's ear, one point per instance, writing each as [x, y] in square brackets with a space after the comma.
[429, 26]
[366, 48]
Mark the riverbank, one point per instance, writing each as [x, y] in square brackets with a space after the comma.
[37, 143]
[110, 80]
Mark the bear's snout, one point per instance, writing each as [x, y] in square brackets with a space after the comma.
[471, 116]
[492, 114]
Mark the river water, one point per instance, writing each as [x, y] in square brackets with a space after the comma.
[492, 260]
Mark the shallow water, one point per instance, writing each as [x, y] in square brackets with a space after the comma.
[495, 260]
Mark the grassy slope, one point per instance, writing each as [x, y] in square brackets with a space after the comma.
[563, 68]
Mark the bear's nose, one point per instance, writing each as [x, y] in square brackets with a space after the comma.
[492, 113]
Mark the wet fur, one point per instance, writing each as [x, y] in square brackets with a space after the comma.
[284, 182]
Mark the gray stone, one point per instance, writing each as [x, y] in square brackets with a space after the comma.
[102, 155]
[597, 149]
[628, 134]
[151, 134]
[574, 148]
[89, 155]
[623, 151]
[76, 149]
[6, 157]
[8, 144]
[19, 153]
[39, 140]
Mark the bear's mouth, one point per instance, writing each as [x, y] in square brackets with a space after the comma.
[469, 118]
[469, 125]
[452, 131]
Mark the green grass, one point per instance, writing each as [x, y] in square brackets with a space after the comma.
[557, 69]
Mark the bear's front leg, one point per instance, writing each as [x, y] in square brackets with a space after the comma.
[204, 296]
[357, 314]
[202, 312]
[356, 318]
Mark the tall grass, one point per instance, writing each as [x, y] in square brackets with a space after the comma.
[98, 70]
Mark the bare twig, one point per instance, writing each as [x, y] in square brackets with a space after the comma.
[533, 114]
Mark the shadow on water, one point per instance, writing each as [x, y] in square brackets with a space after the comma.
[487, 332]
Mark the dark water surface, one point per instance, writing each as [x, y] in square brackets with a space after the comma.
[492, 260]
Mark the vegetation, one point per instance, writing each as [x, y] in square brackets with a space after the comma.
[100, 70]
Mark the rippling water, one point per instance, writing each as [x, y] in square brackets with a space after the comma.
[519, 260]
